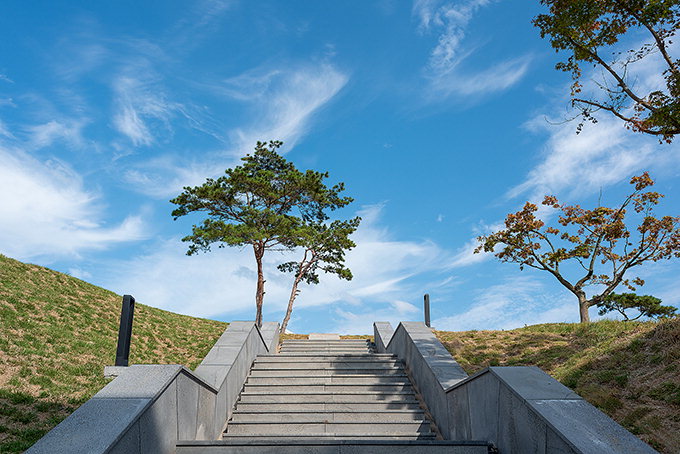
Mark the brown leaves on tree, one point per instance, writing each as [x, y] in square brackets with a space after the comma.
[598, 241]
[587, 30]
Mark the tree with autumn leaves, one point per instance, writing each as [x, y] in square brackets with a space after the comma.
[589, 247]
[591, 33]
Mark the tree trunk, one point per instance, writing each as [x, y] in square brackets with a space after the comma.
[259, 293]
[289, 310]
[303, 266]
[584, 305]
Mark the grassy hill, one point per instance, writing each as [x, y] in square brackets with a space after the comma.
[56, 335]
[629, 370]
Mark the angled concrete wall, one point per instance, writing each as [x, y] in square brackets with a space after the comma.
[519, 409]
[523, 409]
[148, 408]
[428, 362]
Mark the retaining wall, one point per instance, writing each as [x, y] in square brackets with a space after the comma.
[519, 409]
[148, 408]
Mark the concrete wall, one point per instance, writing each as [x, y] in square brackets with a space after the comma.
[523, 409]
[428, 362]
[147, 408]
[519, 409]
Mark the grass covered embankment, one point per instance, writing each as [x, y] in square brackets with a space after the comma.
[56, 335]
[629, 370]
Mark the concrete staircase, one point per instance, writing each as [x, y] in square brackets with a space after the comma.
[329, 396]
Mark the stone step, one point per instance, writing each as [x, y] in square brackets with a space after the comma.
[366, 417]
[326, 341]
[327, 388]
[335, 365]
[269, 428]
[326, 351]
[283, 372]
[284, 437]
[248, 397]
[340, 343]
[330, 388]
[374, 406]
[321, 350]
[327, 445]
[329, 379]
[312, 357]
[318, 344]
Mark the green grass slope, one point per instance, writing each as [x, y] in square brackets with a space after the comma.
[56, 335]
[629, 370]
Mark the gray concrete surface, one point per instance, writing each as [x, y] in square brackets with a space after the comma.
[428, 362]
[523, 409]
[332, 447]
[147, 408]
[324, 336]
[520, 409]
[382, 334]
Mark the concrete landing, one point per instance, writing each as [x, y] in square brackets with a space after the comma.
[333, 447]
[324, 336]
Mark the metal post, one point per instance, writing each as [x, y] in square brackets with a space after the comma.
[125, 331]
[427, 310]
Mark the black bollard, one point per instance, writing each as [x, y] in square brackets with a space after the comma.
[125, 331]
[427, 310]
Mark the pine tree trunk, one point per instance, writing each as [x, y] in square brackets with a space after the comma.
[259, 293]
[584, 305]
[303, 267]
[289, 310]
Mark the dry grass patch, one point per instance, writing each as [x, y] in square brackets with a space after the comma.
[56, 335]
[630, 370]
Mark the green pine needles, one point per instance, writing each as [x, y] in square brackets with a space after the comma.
[269, 204]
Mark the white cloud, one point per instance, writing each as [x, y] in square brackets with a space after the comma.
[601, 155]
[291, 98]
[46, 212]
[44, 135]
[79, 273]
[404, 308]
[444, 72]
[499, 77]
[465, 256]
[4, 130]
[138, 101]
[511, 304]
[283, 104]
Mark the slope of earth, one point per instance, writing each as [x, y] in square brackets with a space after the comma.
[56, 335]
[629, 370]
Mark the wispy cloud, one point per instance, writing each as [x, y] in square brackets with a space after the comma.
[280, 105]
[513, 303]
[444, 71]
[46, 211]
[601, 155]
[291, 98]
[139, 100]
[44, 135]
[465, 256]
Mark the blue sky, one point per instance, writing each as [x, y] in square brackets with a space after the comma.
[440, 116]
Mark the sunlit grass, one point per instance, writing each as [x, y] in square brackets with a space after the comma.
[56, 335]
[627, 369]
